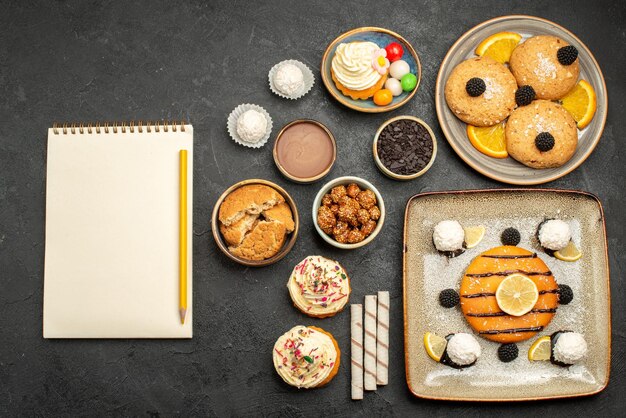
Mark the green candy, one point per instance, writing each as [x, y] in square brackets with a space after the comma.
[408, 82]
[308, 359]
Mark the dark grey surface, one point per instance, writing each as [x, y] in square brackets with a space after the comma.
[81, 61]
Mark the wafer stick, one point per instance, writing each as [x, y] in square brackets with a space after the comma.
[356, 349]
[369, 346]
[382, 339]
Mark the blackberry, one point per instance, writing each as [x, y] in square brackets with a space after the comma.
[508, 352]
[567, 55]
[449, 298]
[510, 236]
[524, 95]
[565, 294]
[544, 141]
[475, 86]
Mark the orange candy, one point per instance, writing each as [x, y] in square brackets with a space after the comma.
[383, 97]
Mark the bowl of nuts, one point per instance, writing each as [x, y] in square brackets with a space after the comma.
[348, 212]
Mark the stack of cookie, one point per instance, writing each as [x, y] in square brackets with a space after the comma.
[254, 222]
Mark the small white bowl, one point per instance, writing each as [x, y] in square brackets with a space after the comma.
[363, 184]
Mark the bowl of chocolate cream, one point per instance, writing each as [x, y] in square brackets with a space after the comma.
[305, 151]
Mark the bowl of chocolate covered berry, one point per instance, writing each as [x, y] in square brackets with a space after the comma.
[348, 212]
[404, 147]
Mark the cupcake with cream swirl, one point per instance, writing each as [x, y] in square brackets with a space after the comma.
[306, 357]
[353, 72]
[319, 287]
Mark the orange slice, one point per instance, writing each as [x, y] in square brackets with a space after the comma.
[499, 46]
[489, 140]
[581, 103]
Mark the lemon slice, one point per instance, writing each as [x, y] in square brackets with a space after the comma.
[569, 253]
[473, 235]
[489, 140]
[540, 350]
[517, 294]
[499, 46]
[434, 345]
[581, 102]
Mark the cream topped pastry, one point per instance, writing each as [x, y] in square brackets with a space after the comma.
[319, 287]
[306, 357]
[352, 68]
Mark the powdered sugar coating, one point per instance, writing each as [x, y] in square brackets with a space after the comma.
[288, 79]
[448, 236]
[463, 349]
[554, 234]
[545, 67]
[570, 348]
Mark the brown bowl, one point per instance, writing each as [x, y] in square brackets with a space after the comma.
[304, 180]
[291, 238]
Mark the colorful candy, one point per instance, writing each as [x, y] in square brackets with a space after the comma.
[394, 51]
[399, 68]
[394, 86]
[400, 80]
[408, 82]
[383, 97]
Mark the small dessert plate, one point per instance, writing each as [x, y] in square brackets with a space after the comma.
[381, 37]
[508, 170]
[426, 273]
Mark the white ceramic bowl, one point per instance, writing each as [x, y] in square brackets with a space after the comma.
[363, 184]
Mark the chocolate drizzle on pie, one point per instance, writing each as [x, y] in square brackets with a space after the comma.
[487, 294]
[509, 272]
[510, 330]
[510, 257]
[491, 314]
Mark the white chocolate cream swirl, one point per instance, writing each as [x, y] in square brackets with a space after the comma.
[304, 357]
[319, 286]
[352, 65]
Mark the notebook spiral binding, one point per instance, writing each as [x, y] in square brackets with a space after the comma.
[113, 127]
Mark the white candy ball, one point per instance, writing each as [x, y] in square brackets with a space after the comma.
[394, 86]
[399, 68]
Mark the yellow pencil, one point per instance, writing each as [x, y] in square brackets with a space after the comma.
[182, 236]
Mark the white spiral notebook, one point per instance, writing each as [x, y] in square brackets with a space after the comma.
[112, 231]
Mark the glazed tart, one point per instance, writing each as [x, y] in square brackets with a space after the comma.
[478, 294]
